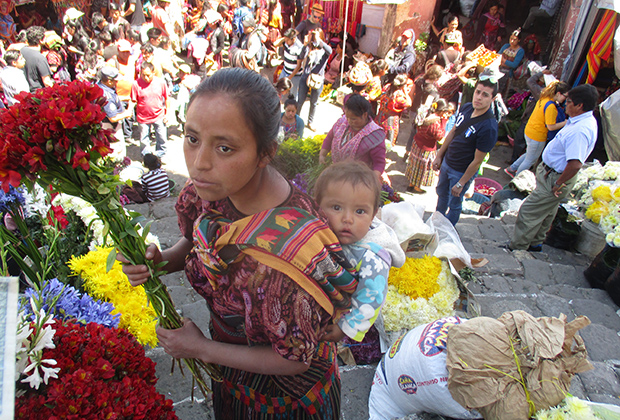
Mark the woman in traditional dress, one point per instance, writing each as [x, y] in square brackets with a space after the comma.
[356, 136]
[237, 212]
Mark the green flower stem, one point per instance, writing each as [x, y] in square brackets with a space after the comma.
[124, 233]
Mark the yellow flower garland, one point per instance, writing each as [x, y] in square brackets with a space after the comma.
[417, 277]
[137, 316]
[403, 312]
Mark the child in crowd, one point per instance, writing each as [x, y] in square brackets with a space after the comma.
[291, 124]
[424, 149]
[349, 194]
[396, 97]
[152, 186]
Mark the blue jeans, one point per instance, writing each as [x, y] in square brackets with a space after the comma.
[161, 135]
[303, 94]
[448, 177]
[532, 152]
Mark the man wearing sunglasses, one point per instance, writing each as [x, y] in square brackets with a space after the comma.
[314, 21]
[556, 175]
[462, 152]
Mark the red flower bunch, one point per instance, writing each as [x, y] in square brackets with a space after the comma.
[59, 125]
[104, 374]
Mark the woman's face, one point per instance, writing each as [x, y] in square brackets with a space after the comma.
[290, 111]
[514, 40]
[356, 123]
[493, 10]
[220, 149]
[560, 97]
[453, 24]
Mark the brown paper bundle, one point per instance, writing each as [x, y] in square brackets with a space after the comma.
[509, 368]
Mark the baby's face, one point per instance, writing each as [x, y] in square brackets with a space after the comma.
[349, 209]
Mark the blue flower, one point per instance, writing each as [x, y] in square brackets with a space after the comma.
[65, 302]
[8, 199]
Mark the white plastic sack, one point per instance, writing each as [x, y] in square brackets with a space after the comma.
[412, 376]
[449, 245]
[610, 119]
[405, 219]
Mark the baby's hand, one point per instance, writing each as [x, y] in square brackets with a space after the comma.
[333, 333]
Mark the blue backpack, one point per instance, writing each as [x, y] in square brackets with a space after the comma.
[561, 117]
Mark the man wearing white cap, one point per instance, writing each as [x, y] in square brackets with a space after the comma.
[404, 55]
[114, 109]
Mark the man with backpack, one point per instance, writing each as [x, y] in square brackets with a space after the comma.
[462, 152]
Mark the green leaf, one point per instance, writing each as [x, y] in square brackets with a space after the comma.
[102, 189]
[137, 219]
[111, 259]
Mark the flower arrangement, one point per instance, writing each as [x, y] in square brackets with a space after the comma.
[89, 217]
[31, 339]
[417, 277]
[136, 315]
[64, 302]
[572, 408]
[388, 195]
[102, 373]
[54, 137]
[605, 211]
[405, 312]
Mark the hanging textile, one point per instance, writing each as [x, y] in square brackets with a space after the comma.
[602, 41]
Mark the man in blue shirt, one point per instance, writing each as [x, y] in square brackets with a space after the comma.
[556, 175]
[464, 149]
[114, 108]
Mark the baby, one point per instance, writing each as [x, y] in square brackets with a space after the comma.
[349, 194]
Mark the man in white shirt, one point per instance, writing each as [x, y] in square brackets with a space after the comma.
[547, 9]
[12, 76]
[556, 175]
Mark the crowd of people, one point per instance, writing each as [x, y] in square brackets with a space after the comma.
[286, 275]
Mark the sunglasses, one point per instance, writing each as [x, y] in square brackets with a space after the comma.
[317, 16]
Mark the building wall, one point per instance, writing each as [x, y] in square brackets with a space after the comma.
[413, 14]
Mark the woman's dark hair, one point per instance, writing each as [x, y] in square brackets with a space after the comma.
[434, 72]
[450, 17]
[517, 33]
[222, 8]
[378, 66]
[290, 101]
[586, 95]
[147, 48]
[440, 105]
[256, 97]
[165, 42]
[133, 35]
[22, 36]
[358, 105]
[399, 81]
[290, 33]
[284, 84]
[151, 162]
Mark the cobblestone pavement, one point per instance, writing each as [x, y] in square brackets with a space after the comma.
[548, 283]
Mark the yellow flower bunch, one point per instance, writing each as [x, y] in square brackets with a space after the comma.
[137, 316]
[602, 193]
[418, 277]
[402, 312]
[597, 210]
[572, 408]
